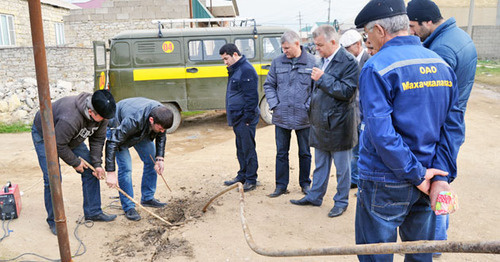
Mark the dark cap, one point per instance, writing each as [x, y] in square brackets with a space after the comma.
[423, 10]
[104, 103]
[378, 9]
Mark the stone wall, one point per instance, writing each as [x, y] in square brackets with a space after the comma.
[486, 39]
[83, 26]
[70, 72]
[20, 11]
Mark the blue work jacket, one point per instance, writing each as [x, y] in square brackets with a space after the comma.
[242, 97]
[408, 96]
[456, 48]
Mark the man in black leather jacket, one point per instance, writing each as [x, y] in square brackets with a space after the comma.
[333, 119]
[138, 121]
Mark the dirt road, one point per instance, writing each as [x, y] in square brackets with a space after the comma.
[200, 155]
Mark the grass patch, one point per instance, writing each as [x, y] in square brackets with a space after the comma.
[15, 128]
[488, 72]
[191, 113]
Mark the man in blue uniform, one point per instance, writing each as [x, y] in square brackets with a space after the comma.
[408, 98]
[456, 48]
[242, 107]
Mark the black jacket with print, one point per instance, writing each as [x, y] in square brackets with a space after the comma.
[73, 125]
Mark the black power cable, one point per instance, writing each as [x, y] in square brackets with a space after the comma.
[6, 231]
[80, 221]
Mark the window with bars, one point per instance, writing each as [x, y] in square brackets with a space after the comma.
[7, 30]
[59, 28]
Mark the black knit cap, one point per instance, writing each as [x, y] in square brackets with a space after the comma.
[423, 10]
[104, 103]
[378, 9]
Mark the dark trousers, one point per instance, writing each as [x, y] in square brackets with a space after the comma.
[283, 137]
[245, 151]
[90, 184]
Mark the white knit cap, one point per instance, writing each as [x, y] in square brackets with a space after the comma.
[350, 37]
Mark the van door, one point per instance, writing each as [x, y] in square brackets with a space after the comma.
[206, 74]
[100, 65]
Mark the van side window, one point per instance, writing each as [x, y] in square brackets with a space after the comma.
[204, 50]
[246, 47]
[271, 47]
[120, 54]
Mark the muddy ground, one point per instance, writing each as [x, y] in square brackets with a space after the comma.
[200, 156]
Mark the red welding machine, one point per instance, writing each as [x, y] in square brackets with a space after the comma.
[10, 202]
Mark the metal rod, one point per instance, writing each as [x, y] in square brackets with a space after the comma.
[49, 137]
[131, 199]
[409, 247]
[161, 174]
[143, 208]
[218, 195]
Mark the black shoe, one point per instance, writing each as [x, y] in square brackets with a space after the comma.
[249, 187]
[53, 229]
[278, 192]
[233, 181]
[131, 214]
[153, 203]
[336, 211]
[101, 217]
[303, 202]
[305, 189]
[354, 185]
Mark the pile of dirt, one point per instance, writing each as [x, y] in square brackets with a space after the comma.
[153, 239]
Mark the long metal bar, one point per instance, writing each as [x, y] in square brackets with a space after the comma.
[409, 247]
[49, 137]
[130, 198]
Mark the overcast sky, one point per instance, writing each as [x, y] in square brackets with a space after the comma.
[286, 12]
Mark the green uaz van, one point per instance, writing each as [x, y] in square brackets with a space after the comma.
[182, 68]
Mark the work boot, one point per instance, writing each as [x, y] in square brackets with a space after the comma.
[153, 203]
[101, 217]
[132, 214]
[233, 181]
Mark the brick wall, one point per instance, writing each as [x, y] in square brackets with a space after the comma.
[486, 39]
[19, 9]
[83, 26]
[74, 65]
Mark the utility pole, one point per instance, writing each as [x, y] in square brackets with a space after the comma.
[300, 22]
[498, 13]
[42, 79]
[329, 5]
[471, 15]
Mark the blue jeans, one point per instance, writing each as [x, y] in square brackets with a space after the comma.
[145, 149]
[323, 162]
[90, 184]
[442, 223]
[283, 136]
[245, 151]
[383, 207]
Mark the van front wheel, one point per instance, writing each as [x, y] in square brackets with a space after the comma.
[265, 113]
[177, 117]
